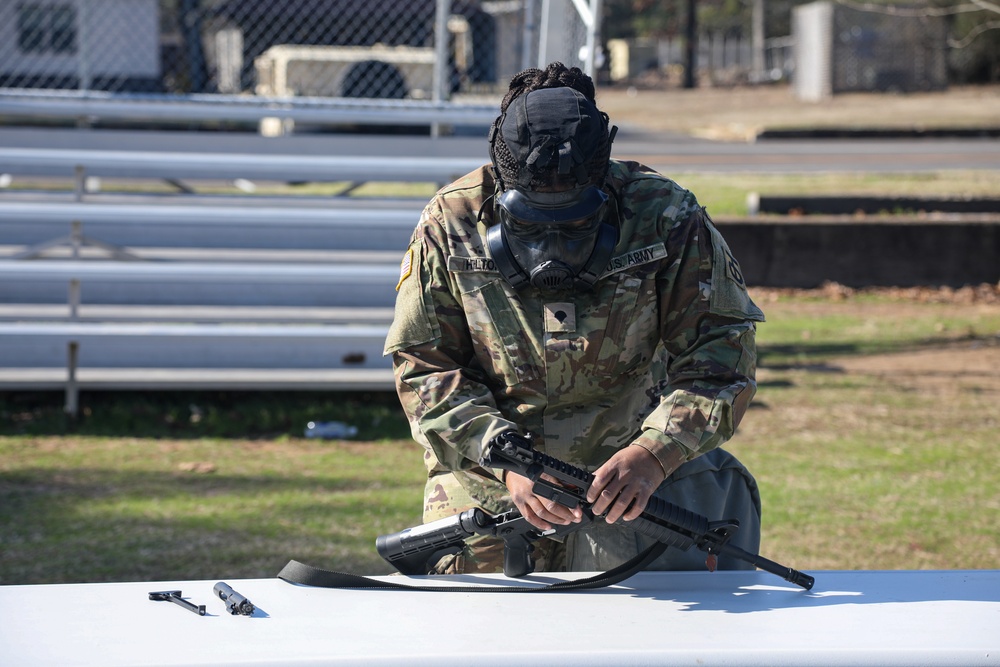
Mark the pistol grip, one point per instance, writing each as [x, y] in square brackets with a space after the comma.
[517, 561]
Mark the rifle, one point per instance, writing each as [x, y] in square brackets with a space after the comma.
[413, 550]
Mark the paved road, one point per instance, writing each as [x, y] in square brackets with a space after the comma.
[829, 155]
[666, 152]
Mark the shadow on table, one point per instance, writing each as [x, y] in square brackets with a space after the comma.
[746, 592]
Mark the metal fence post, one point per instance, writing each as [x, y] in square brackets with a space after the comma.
[72, 407]
[441, 59]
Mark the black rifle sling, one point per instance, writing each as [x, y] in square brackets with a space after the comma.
[299, 573]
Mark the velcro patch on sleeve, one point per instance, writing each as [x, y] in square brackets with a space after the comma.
[729, 295]
[405, 268]
[414, 322]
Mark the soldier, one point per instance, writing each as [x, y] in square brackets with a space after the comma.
[590, 303]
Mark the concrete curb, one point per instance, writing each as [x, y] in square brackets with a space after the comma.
[871, 205]
[879, 133]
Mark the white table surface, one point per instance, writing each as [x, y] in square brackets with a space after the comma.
[657, 618]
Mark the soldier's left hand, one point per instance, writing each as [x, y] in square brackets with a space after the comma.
[624, 484]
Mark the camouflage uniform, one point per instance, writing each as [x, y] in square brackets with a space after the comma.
[660, 354]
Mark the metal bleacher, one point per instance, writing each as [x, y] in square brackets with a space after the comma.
[192, 292]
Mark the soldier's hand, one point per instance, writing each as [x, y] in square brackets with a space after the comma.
[540, 512]
[624, 484]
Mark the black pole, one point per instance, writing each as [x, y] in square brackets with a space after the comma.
[191, 30]
[691, 44]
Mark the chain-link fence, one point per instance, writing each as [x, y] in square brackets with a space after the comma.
[841, 49]
[878, 51]
[397, 49]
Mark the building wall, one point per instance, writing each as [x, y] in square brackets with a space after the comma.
[80, 40]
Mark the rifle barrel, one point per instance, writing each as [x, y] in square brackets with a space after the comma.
[788, 574]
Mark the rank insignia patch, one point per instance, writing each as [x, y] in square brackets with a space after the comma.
[733, 269]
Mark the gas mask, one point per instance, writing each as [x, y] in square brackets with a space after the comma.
[559, 238]
[554, 241]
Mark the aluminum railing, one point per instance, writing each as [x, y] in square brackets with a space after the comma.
[198, 283]
[39, 224]
[220, 346]
[231, 166]
[220, 108]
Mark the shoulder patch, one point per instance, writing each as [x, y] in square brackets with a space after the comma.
[405, 268]
[413, 322]
[728, 295]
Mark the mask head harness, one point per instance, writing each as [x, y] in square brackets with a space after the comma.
[552, 228]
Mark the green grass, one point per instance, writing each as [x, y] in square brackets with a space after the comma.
[728, 196]
[878, 469]
[99, 509]
[807, 330]
[858, 475]
[858, 470]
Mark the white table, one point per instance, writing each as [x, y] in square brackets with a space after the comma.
[669, 618]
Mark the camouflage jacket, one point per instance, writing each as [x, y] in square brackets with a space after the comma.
[660, 354]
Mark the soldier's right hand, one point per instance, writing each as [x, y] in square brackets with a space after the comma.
[540, 512]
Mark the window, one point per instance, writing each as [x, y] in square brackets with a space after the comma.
[46, 28]
[63, 29]
[30, 28]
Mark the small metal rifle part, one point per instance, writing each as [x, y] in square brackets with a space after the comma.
[175, 597]
[235, 603]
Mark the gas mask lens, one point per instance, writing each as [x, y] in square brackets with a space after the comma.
[573, 214]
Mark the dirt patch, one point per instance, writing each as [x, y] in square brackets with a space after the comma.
[947, 369]
[984, 293]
